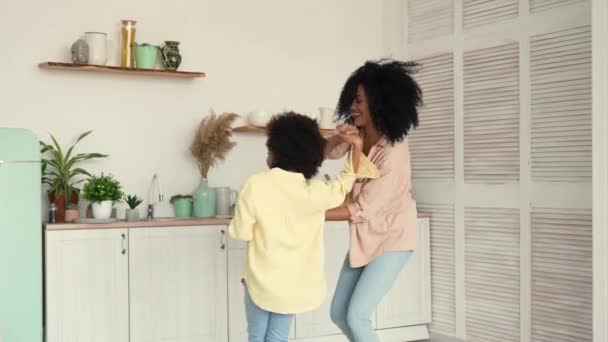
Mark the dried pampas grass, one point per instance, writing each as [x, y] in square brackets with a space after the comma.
[212, 142]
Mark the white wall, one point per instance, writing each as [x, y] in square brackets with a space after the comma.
[269, 55]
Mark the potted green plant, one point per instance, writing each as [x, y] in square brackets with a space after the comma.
[60, 171]
[102, 191]
[182, 205]
[71, 212]
[132, 213]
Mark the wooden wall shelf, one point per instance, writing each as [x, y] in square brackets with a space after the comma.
[262, 130]
[119, 70]
[250, 129]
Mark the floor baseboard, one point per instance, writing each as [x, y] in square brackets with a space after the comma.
[412, 333]
[435, 337]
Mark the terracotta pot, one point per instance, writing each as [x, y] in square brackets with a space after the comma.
[71, 214]
[60, 203]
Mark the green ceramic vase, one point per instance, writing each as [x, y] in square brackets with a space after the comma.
[204, 200]
[170, 55]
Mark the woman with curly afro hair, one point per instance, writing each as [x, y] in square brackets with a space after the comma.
[281, 213]
[380, 101]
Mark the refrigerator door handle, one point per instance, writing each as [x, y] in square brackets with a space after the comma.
[18, 162]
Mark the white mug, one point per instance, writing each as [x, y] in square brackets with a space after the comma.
[98, 47]
[326, 118]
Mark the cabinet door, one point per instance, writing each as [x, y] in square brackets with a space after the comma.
[317, 322]
[87, 286]
[236, 297]
[178, 284]
[409, 301]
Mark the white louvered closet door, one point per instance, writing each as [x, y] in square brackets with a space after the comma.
[561, 106]
[561, 275]
[513, 213]
[492, 274]
[560, 72]
[483, 12]
[432, 143]
[491, 115]
[544, 5]
[430, 19]
[432, 151]
[443, 265]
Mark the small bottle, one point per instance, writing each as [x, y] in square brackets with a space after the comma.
[52, 213]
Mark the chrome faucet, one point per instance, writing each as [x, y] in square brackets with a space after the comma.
[158, 197]
[150, 211]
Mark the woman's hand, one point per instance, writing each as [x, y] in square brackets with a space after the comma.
[333, 143]
[349, 134]
[353, 139]
[347, 128]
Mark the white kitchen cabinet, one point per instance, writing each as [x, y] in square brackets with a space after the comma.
[87, 286]
[236, 297]
[318, 322]
[178, 284]
[408, 303]
[181, 284]
[401, 316]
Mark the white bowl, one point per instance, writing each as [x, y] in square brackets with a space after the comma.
[259, 118]
[241, 120]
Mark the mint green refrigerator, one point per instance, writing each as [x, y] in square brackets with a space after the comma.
[20, 237]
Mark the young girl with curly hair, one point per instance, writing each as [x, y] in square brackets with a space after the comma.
[281, 213]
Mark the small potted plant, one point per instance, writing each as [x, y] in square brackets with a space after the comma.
[61, 171]
[182, 205]
[102, 191]
[132, 213]
[71, 212]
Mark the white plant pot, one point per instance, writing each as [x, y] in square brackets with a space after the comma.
[132, 214]
[102, 210]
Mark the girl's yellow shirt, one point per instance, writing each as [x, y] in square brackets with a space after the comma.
[282, 216]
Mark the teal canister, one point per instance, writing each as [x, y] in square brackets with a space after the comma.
[145, 55]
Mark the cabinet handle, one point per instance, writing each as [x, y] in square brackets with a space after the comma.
[223, 239]
[122, 243]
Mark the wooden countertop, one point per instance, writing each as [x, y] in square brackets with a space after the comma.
[169, 222]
